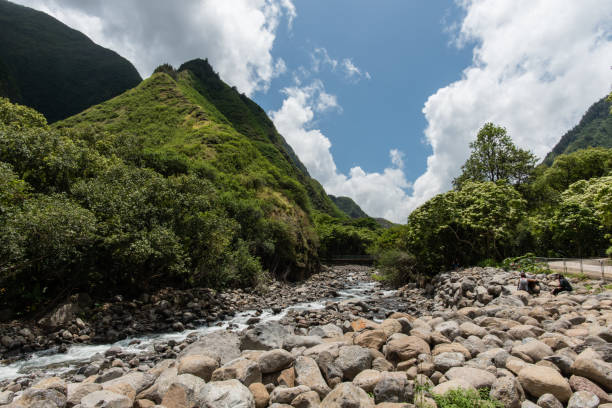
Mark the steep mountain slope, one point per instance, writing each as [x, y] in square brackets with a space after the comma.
[53, 68]
[593, 130]
[173, 122]
[348, 206]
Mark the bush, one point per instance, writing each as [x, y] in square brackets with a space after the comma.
[461, 398]
[396, 267]
[525, 263]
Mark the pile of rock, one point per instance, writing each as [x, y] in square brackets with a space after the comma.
[80, 320]
[529, 352]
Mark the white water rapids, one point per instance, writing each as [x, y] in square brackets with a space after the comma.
[53, 363]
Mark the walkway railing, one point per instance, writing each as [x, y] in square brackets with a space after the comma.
[349, 258]
[594, 267]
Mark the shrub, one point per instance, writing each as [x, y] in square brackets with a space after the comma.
[396, 267]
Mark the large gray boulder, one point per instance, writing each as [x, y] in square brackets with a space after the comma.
[242, 369]
[508, 391]
[347, 395]
[583, 399]
[225, 394]
[352, 360]
[307, 373]
[265, 336]
[105, 399]
[222, 346]
[275, 360]
[476, 377]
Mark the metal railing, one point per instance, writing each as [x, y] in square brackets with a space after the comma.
[594, 267]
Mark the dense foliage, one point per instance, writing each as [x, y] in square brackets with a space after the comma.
[564, 210]
[348, 206]
[159, 187]
[53, 68]
[593, 130]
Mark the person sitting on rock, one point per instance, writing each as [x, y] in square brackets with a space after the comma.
[564, 285]
[530, 286]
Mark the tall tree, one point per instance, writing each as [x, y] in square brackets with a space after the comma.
[495, 157]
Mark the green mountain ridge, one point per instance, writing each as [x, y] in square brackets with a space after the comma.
[189, 121]
[54, 69]
[348, 206]
[593, 130]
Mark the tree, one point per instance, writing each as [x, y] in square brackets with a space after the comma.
[495, 157]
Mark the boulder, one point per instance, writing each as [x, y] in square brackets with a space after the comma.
[76, 391]
[535, 349]
[105, 399]
[199, 365]
[595, 370]
[446, 386]
[402, 347]
[549, 401]
[230, 394]
[137, 380]
[307, 373]
[260, 394]
[476, 377]
[308, 399]
[391, 388]
[284, 395]
[328, 330]
[373, 339]
[508, 391]
[390, 327]
[51, 383]
[452, 348]
[347, 395]
[292, 341]
[538, 380]
[265, 336]
[449, 329]
[275, 360]
[47, 398]
[468, 329]
[222, 346]
[352, 360]
[242, 369]
[444, 361]
[583, 384]
[367, 379]
[179, 396]
[583, 399]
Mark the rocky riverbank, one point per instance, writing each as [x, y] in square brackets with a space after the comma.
[470, 329]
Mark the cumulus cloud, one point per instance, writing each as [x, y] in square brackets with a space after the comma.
[236, 36]
[537, 66]
[378, 194]
[322, 60]
[352, 71]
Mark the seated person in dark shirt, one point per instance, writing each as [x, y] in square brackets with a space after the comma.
[564, 285]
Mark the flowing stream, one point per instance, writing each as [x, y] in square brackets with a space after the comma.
[52, 362]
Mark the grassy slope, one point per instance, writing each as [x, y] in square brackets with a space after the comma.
[57, 70]
[170, 117]
[593, 130]
[348, 206]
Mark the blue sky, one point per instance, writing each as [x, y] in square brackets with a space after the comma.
[403, 45]
[380, 98]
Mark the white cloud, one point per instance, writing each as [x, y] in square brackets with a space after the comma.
[320, 59]
[352, 71]
[236, 36]
[536, 67]
[378, 194]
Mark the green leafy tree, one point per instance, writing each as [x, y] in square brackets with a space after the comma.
[495, 157]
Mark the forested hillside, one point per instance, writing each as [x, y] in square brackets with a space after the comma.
[58, 71]
[155, 187]
[504, 206]
[348, 206]
[593, 130]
